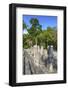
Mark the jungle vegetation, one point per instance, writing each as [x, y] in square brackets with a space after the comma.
[37, 36]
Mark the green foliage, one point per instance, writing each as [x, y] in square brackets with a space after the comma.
[27, 41]
[34, 22]
[38, 36]
[35, 29]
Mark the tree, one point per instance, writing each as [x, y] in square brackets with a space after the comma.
[27, 41]
[48, 37]
[52, 37]
[35, 29]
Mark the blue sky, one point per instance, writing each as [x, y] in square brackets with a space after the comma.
[45, 21]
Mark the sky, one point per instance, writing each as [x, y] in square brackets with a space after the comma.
[45, 21]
